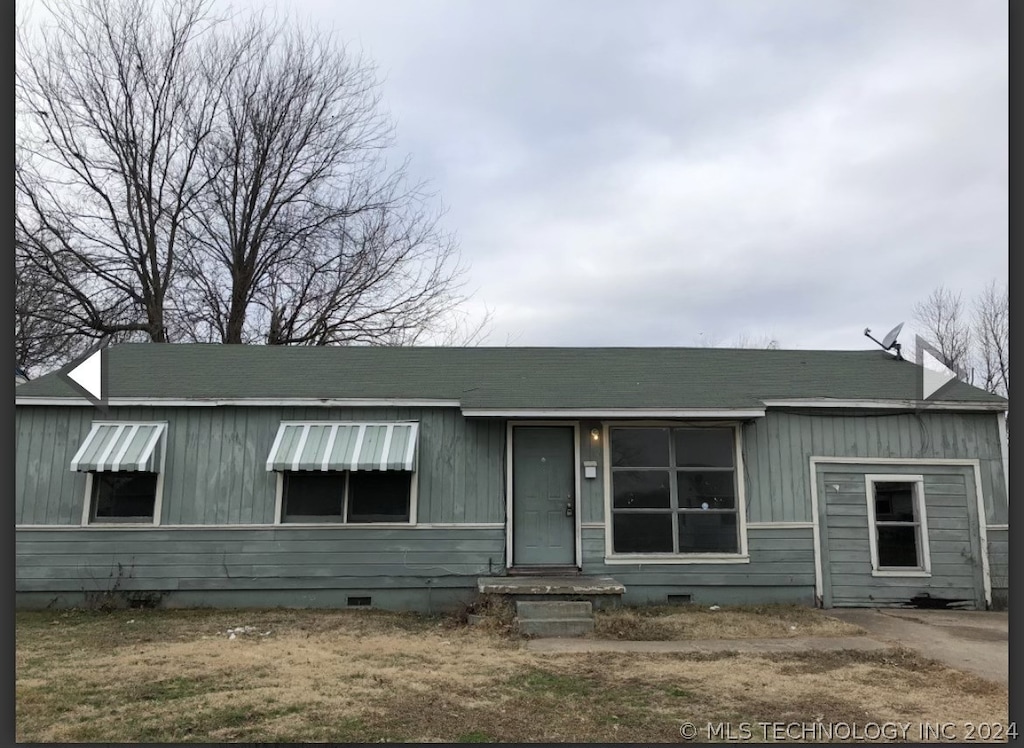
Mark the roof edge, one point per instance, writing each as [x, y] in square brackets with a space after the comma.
[211, 402]
[827, 402]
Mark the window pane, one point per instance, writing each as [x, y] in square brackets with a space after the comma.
[639, 447]
[704, 447]
[313, 495]
[897, 546]
[894, 502]
[710, 532]
[641, 533]
[641, 489]
[124, 496]
[379, 496]
[714, 489]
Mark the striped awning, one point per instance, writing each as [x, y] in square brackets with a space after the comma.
[123, 446]
[327, 445]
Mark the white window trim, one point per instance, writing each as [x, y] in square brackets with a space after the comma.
[920, 516]
[618, 559]
[158, 500]
[343, 522]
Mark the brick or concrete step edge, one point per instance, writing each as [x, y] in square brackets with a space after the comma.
[576, 586]
[557, 627]
[794, 644]
[553, 609]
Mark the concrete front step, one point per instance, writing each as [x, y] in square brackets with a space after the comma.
[550, 586]
[548, 609]
[556, 627]
[550, 618]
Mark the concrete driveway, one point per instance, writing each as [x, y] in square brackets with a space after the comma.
[974, 641]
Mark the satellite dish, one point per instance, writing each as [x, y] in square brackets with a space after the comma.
[889, 339]
[888, 343]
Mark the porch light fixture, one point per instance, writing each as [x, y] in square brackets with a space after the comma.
[595, 434]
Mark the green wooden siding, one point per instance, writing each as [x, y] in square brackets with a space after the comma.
[777, 450]
[780, 559]
[215, 470]
[278, 558]
[999, 564]
[953, 537]
[215, 474]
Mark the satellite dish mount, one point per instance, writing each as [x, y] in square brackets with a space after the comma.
[888, 343]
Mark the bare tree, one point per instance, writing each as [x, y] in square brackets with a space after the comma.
[992, 337]
[180, 179]
[946, 324]
[117, 100]
[42, 341]
[764, 341]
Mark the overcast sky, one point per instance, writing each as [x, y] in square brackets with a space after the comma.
[662, 173]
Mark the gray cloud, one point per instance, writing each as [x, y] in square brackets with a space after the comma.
[643, 173]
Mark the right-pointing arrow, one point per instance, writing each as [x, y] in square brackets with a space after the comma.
[935, 374]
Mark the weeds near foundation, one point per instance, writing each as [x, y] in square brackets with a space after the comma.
[112, 595]
[494, 614]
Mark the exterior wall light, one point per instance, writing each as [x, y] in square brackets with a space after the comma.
[595, 435]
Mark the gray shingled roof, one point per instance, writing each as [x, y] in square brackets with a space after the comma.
[508, 377]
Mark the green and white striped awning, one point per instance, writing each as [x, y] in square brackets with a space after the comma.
[327, 445]
[123, 446]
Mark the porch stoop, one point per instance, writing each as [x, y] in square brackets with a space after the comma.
[598, 592]
[554, 618]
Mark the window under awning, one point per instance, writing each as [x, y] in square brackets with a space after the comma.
[123, 446]
[326, 445]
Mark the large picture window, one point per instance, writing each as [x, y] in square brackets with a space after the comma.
[674, 490]
[356, 497]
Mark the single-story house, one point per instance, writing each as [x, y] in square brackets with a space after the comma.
[234, 475]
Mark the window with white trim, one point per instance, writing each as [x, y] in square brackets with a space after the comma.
[674, 490]
[346, 496]
[899, 533]
[347, 472]
[123, 460]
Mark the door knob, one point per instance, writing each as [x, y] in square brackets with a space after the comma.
[568, 510]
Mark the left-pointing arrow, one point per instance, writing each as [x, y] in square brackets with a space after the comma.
[89, 374]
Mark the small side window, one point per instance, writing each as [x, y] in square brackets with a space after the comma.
[313, 497]
[899, 531]
[379, 496]
[123, 497]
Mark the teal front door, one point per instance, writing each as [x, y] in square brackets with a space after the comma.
[543, 496]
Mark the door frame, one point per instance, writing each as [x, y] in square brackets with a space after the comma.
[509, 508]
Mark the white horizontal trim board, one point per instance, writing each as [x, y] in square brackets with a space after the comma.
[998, 527]
[824, 402]
[592, 525]
[894, 573]
[613, 412]
[780, 525]
[653, 560]
[271, 526]
[199, 402]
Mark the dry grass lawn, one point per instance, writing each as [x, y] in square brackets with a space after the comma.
[370, 676]
[668, 623]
